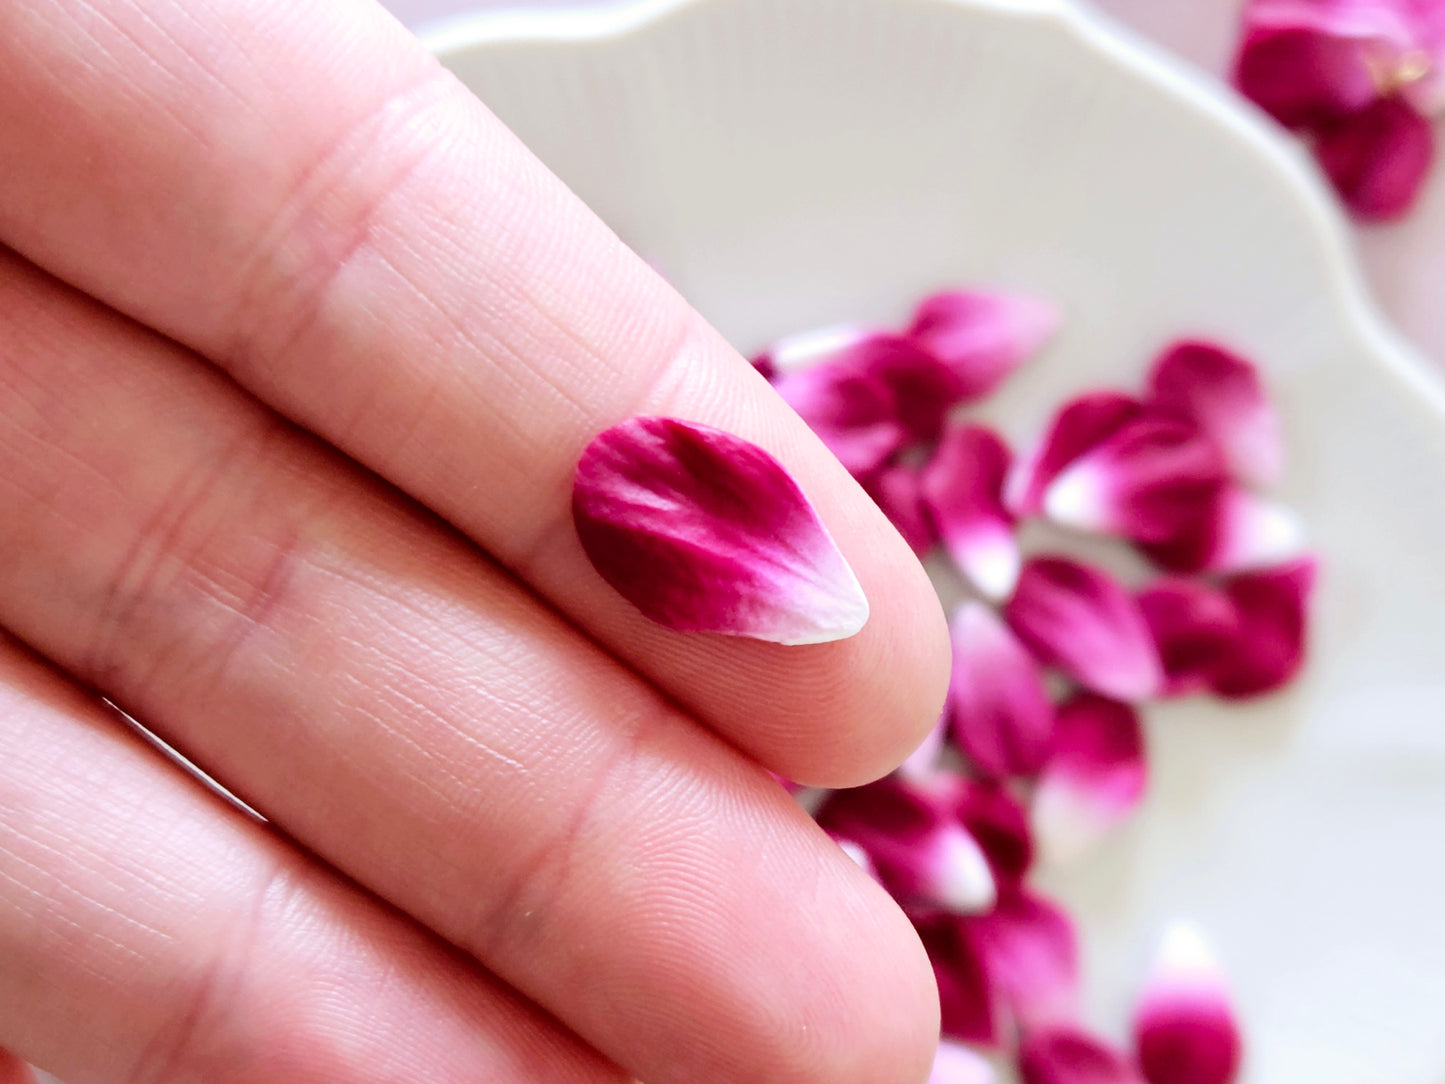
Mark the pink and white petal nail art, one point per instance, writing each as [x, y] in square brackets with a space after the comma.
[983, 337]
[1195, 628]
[852, 411]
[999, 710]
[971, 1009]
[963, 492]
[1221, 393]
[1273, 606]
[919, 850]
[703, 531]
[1082, 621]
[1000, 824]
[1031, 951]
[1185, 1030]
[1154, 479]
[898, 490]
[1239, 531]
[1378, 157]
[1079, 426]
[1067, 1055]
[958, 1064]
[1094, 779]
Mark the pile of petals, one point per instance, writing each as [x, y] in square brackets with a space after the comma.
[1041, 751]
[1362, 80]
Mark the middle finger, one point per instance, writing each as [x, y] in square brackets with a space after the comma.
[402, 707]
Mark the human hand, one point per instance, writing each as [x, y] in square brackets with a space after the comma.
[288, 251]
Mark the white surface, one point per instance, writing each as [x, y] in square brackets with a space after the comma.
[801, 163]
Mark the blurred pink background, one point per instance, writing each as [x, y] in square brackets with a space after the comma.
[1405, 261]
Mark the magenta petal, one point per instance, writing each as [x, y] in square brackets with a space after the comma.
[1151, 481]
[898, 490]
[1082, 621]
[971, 1010]
[1222, 394]
[957, 1064]
[1377, 157]
[1068, 1056]
[999, 709]
[963, 489]
[1184, 1028]
[705, 532]
[1272, 605]
[982, 337]
[1237, 531]
[765, 365]
[849, 409]
[1303, 77]
[1079, 426]
[999, 823]
[922, 764]
[1094, 778]
[1031, 952]
[919, 850]
[924, 388]
[1195, 629]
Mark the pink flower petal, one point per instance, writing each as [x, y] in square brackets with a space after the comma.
[898, 490]
[1031, 953]
[1195, 628]
[922, 764]
[982, 337]
[1152, 481]
[1070, 1056]
[1080, 425]
[1000, 712]
[1221, 393]
[1094, 778]
[971, 1009]
[999, 823]
[921, 852]
[857, 853]
[1241, 531]
[957, 1064]
[765, 365]
[852, 411]
[1082, 621]
[1303, 77]
[705, 532]
[1378, 157]
[924, 388]
[1184, 1028]
[1273, 607]
[963, 489]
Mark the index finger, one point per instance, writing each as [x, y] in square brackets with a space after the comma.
[299, 193]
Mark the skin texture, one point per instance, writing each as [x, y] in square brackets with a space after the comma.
[298, 349]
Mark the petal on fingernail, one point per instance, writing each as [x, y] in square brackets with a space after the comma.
[1084, 622]
[982, 337]
[970, 1007]
[963, 490]
[1221, 393]
[897, 489]
[704, 532]
[957, 1064]
[1195, 628]
[999, 709]
[1378, 157]
[1151, 481]
[1066, 1055]
[1272, 605]
[921, 852]
[1094, 778]
[1079, 426]
[1184, 1027]
[849, 409]
[1031, 951]
[997, 820]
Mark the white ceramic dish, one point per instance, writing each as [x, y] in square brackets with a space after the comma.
[793, 163]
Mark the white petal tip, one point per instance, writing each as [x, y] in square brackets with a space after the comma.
[965, 882]
[1075, 499]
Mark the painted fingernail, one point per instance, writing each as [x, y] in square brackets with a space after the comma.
[704, 532]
